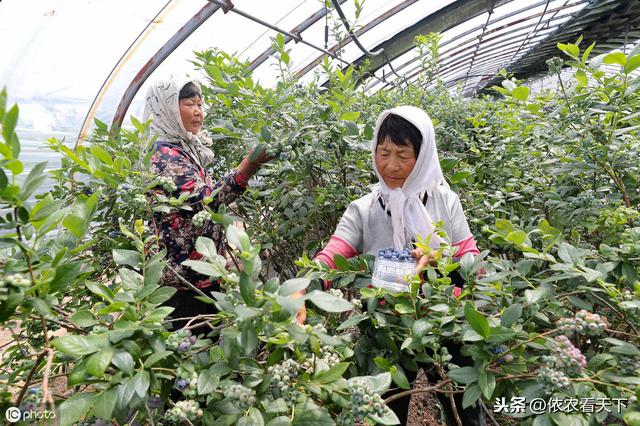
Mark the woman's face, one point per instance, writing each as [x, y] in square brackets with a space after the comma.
[394, 162]
[191, 113]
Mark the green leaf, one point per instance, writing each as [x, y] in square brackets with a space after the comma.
[75, 408]
[101, 154]
[477, 321]
[511, 315]
[98, 362]
[9, 123]
[247, 288]
[33, 181]
[471, 395]
[399, 378]
[342, 264]
[280, 421]
[155, 357]
[332, 374]
[581, 77]
[76, 225]
[253, 417]
[206, 247]
[124, 361]
[79, 345]
[615, 58]
[464, 375]
[158, 314]
[310, 414]
[4, 181]
[521, 93]
[104, 404]
[126, 257]
[350, 116]
[64, 277]
[328, 302]
[161, 295]
[568, 253]
[377, 384]
[352, 321]
[293, 285]
[208, 381]
[83, 318]
[204, 268]
[632, 64]
[421, 327]
[517, 237]
[140, 383]
[101, 290]
[43, 208]
[487, 384]
[404, 308]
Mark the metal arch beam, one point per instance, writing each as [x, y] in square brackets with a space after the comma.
[602, 21]
[368, 26]
[448, 17]
[152, 64]
[299, 29]
[450, 55]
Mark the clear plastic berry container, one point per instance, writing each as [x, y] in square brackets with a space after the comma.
[392, 268]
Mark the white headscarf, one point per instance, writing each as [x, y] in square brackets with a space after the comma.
[405, 203]
[162, 104]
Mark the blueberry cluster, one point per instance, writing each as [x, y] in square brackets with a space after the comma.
[167, 183]
[364, 402]
[180, 341]
[135, 199]
[16, 280]
[12, 283]
[243, 397]
[393, 254]
[282, 374]
[200, 218]
[183, 411]
[628, 364]
[187, 382]
[555, 65]
[32, 400]
[566, 361]
[552, 379]
[327, 355]
[567, 357]
[335, 292]
[282, 377]
[584, 322]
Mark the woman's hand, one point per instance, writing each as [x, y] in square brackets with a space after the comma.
[248, 166]
[424, 258]
[301, 315]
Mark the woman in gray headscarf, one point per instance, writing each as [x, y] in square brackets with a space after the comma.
[182, 153]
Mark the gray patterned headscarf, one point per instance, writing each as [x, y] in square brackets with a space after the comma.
[162, 104]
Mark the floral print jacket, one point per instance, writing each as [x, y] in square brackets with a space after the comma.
[176, 231]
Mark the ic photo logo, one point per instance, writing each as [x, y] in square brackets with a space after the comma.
[14, 415]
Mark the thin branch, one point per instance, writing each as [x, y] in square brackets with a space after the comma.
[412, 391]
[28, 381]
[187, 283]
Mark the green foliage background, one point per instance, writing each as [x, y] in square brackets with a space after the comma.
[549, 182]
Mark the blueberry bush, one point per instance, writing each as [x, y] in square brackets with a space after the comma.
[550, 309]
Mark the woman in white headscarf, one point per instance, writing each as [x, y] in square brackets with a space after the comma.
[410, 197]
[182, 152]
